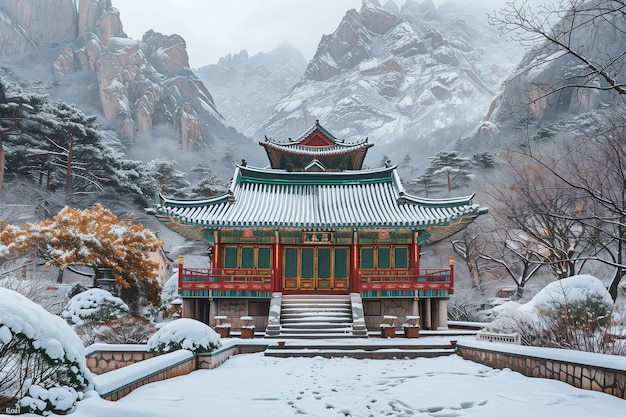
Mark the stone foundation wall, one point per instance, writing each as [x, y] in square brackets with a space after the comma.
[589, 377]
[100, 362]
[234, 309]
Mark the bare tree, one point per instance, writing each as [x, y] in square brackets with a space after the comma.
[594, 168]
[546, 213]
[470, 247]
[561, 30]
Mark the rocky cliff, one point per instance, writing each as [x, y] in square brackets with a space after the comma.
[140, 83]
[549, 82]
[415, 77]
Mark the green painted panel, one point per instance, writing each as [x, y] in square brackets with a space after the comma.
[367, 258]
[384, 258]
[247, 257]
[323, 263]
[401, 258]
[291, 263]
[341, 263]
[265, 258]
[307, 262]
[230, 257]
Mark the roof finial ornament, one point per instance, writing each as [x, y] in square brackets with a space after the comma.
[387, 163]
[317, 121]
[244, 163]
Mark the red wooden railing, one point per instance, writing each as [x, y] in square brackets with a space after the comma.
[224, 279]
[262, 280]
[390, 280]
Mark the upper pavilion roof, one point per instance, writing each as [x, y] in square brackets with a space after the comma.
[316, 144]
[373, 198]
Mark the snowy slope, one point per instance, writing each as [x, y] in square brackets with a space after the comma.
[419, 77]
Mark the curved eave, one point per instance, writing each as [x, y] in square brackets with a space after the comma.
[316, 151]
[192, 203]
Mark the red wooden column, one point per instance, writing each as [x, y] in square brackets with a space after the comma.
[217, 256]
[416, 254]
[181, 260]
[277, 284]
[355, 284]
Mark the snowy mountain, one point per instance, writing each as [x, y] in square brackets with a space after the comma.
[411, 78]
[144, 89]
[269, 76]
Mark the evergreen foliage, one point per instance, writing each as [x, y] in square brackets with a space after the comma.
[58, 147]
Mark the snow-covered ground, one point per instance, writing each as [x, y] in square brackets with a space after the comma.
[255, 385]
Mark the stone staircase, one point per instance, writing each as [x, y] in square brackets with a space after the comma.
[316, 316]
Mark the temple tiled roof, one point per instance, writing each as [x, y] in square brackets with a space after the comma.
[353, 199]
[317, 151]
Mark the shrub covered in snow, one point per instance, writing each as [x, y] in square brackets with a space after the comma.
[42, 360]
[187, 334]
[169, 293]
[573, 313]
[94, 305]
[130, 330]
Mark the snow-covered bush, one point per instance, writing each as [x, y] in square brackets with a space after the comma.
[94, 305]
[42, 360]
[129, 330]
[169, 293]
[571, 313]
[187, 334]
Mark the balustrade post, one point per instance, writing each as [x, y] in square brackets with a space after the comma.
[181, 259]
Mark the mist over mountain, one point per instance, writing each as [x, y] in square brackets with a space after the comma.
[412, 78]
[142, 89]
[245, 88]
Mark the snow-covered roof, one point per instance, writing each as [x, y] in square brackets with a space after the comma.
[261, 197]
[335, 149]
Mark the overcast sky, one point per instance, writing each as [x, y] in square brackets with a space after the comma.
[213, 29]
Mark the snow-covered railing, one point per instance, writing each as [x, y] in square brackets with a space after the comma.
[499, 337]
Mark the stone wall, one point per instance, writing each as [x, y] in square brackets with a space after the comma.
[100, 362]
[587, 376]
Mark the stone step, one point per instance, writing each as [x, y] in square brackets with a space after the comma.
[286, 352]
[315, 316]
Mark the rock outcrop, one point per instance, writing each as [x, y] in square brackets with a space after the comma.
[34, 23]
[550, 82]
[401, 77]
[140, 83]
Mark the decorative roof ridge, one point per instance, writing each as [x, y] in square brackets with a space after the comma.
[218, 199]
[296, 142]
[242, 170]
[316, 126]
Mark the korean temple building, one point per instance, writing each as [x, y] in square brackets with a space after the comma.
[317, 243]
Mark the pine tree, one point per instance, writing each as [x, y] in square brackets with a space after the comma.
[57, 146]
[448, 169]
